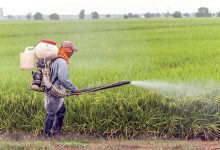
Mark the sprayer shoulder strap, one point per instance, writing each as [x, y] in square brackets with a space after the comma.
[52, 60]
[51, 71]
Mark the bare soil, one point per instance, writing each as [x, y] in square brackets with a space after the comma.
[91, 143]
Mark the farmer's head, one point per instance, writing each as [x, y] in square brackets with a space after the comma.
[67, 49]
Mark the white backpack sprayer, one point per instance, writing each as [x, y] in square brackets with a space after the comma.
[38, 58]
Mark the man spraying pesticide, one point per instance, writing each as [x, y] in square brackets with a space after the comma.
[51, 77]
[55, 106]
[57, 74]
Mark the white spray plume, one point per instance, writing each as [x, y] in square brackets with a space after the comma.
[180, 89]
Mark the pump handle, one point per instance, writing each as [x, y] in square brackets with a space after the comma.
[28, 48]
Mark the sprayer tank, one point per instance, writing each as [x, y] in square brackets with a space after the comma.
[27, 59]
[46, 49]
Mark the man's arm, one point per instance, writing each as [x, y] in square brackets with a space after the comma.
[63, 76]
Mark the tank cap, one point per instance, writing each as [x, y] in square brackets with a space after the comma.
[48, 41]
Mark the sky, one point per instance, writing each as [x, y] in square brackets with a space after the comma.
[73, 7]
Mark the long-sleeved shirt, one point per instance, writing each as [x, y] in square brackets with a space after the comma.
[60, 78]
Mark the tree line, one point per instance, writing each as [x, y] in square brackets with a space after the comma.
[202, 12]
[55, 16]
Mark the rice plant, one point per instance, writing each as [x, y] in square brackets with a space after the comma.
[114, 50]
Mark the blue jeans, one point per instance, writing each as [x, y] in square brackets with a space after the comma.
[58, 118]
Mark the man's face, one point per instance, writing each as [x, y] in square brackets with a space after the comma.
[69, 52]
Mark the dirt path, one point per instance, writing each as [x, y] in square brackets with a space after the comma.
[79, 142]
[151, 145]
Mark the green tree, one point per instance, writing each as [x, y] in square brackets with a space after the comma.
[203, 12]
[95, 15]
[10, 17]
[130, 15]
[186, 14]
[82, 14]
[108, 16]
[167, 14]
[125, 16]
[38, 16]
[29, 16]
[148, 15]
[135, 16]
[177, 14]
[218, 14]
[54, 16]
[157, 15]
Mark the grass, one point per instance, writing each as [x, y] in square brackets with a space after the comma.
[113, 50]
[93, 144]
[36, 145]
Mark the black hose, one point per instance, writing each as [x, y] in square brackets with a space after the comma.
[98, 88]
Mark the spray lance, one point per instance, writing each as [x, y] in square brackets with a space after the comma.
[39, 57]
[46, 85]
[98, 88]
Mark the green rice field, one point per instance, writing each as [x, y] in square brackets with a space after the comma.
[111, 50]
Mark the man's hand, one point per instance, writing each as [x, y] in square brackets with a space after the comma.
[46, 71]
[76, 91]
